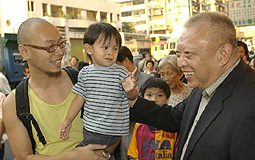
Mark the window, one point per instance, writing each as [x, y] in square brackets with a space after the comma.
[161, 47]
[73, 13]
[138, 12]
[118, 17]
[103, 16]
[17, 57]
[30, 5]
[136, 2]
[56, 11]
[172, 45]
[44, 7]
[91, 15]
[126, 14]
[111, 18]
[125, 4]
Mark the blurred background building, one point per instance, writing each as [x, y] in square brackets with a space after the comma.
[145, 25]
[71, 17]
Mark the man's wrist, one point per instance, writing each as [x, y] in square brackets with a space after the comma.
[132, 95]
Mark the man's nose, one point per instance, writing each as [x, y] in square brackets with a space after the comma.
[181, 61]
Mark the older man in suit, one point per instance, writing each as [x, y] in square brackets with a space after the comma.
[125, 58]
[216, 122]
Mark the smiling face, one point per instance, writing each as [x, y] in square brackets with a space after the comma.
[103, 53]
[40, 61]
[198, 56]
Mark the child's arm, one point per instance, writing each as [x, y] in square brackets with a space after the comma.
[74, 109]
[129, 86]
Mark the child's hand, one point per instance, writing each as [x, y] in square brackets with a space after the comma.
[64, 130]
[130, 87]
[129, 84]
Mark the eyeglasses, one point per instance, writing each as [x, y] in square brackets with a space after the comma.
[51, 48]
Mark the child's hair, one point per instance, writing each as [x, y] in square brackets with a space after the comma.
[155, 74]
[101, 30]
[156, 83]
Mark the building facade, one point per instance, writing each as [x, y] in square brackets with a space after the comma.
[71, 17]
[165, 16]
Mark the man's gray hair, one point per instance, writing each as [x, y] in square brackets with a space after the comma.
[220, 26]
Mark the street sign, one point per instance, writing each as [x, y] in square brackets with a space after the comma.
[242, 12]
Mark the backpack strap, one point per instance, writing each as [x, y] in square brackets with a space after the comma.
[72, 73]
[23, 112]
[23, 108]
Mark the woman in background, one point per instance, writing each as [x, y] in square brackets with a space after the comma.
[243, 51]
[171, 73]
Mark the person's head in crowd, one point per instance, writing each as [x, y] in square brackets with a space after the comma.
[170, 72]
[243, 51]
[147, 56]
[154, 74]
[74, 61]
[155, 89]
[207, 48]
[150, 65]
[42, 46]
[102, 42]
[26, 70]
[125, 58]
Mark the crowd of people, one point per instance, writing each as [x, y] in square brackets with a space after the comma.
[194, 104]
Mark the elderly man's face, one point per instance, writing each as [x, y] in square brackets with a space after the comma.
[198, 56]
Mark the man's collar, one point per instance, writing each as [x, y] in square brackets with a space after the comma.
[209, 91]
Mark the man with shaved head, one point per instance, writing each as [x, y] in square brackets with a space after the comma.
[49, 93]
[216, 122]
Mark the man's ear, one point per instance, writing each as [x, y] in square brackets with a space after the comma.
[88, 49]
[23, 52]
[225, 53]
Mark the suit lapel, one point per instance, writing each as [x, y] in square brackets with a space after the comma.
[136, 75]
[211, 111]
[188, 118]
[213, 108]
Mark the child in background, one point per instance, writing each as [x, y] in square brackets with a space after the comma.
[150, 143]
[99, 90]
[26, 70]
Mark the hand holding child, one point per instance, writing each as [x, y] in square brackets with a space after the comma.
[64, 130]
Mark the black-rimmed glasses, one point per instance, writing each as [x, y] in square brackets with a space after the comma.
[52, 48]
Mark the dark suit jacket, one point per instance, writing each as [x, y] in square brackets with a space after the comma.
[226, 129]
